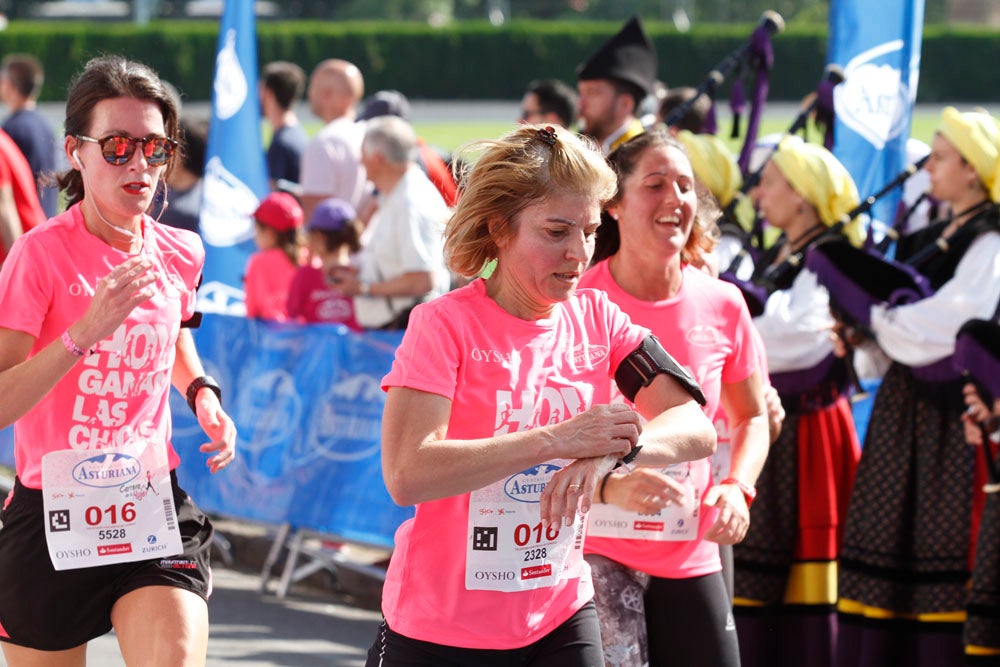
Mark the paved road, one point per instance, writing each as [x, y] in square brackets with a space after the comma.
[306, 629]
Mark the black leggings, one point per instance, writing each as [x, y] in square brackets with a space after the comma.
[690, 623]
[575, 643]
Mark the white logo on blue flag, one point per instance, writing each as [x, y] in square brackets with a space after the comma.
[874, 101]
[878, 45]
[228, 206]
[230, 83]
[235, 172]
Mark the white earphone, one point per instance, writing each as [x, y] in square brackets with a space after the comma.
[79, 162]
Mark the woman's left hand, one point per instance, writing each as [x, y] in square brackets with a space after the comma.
[730, 527]
[219, 428]
[572, 489]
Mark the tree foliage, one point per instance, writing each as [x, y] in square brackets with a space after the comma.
[710, 11]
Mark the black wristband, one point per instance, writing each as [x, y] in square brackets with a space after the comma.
[628, 458]
[600, 489]
[199, 383]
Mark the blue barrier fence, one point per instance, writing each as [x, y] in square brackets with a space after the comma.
[308, 407]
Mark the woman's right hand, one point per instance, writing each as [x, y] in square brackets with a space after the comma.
[117, 294]
[599, 431]
[644, 490]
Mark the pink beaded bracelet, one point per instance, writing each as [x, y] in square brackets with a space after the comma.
[72, 347]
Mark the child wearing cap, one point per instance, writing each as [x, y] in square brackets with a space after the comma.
[271, 269]
[333, 236]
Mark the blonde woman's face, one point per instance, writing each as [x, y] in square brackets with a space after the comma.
[550, 248]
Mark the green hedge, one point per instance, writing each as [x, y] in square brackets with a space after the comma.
[478, 61]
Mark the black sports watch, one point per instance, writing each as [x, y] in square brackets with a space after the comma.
[199, 383]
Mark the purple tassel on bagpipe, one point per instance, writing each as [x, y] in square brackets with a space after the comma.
[824, 113]
[710, 125]
[738, 105]
[761, 60]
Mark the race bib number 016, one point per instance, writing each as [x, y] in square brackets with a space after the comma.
[508, 548]
[108, 506]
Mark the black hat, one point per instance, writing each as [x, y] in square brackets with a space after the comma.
[385, 103]
[629, 56]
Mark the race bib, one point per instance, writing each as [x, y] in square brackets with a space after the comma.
[508, 548]
[722, 458]
[673, 523]
[108, 506]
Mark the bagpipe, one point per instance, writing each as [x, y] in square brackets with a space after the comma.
[977, 358]
[898, 228]
[768, 279]
[758, 55]
[739, 216]
[859, 278]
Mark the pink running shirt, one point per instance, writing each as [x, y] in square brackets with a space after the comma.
[502, 375]
[121, 393]
[268, 278]
[707, 328]
[312, 299]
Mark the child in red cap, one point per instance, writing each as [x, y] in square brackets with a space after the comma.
[270, 271]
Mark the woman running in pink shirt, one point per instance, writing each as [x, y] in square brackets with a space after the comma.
[497, 423]
[97, 534]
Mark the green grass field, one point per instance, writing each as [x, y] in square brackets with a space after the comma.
[450, 136]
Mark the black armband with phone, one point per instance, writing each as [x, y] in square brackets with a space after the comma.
[641, 367]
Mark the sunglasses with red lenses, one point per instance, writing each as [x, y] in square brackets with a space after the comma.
[118, 149]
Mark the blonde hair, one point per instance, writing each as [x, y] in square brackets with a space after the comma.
[519, 169]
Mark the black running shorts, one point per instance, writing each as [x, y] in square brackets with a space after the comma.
[51, 610]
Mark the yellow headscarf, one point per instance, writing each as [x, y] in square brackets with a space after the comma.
[976, 136]
[822, 180]
[713, 164]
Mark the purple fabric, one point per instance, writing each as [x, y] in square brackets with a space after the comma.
[738, 105]
[755, 295]
[798, 382]
[848, 295]
[858, 279]
[762, 60]
[825, 111]
[973, 354]
[940, 371]
[710, 125]
[784, 638]
[868, 643]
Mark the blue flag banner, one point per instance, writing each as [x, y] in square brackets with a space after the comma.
[878, 46]
[307, 403]
[235, 171]
[7, 447]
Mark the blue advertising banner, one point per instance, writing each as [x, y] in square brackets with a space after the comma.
[235, 171]
[7, 446]
[878, 46]
[307, 403]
